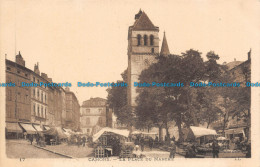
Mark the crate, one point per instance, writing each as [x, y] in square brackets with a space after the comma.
[126, 154]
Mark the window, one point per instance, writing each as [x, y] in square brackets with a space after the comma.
[38, 93]
[100, 121]
[8, 68]
[38, 81]
[17, 111]
[88, 130]
[34, 110]
[26, 75]
[87, 111]
[45, 113]
[138, 40]
[41, 111]
[18, 71]
[145, 40]
[146, 62]
[26, 98]
[8, 111]
[42, 96]
[9, 79]
[151, 40]
[33, 79]
[152, 50]
[33, 92]
[45, 98]
[9, 95]
[87, 121]
[19, 96]
[38, 110]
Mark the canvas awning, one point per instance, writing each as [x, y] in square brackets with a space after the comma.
[200, 131]
[28, 128]
[136, 132]
[13, 127]
[121, 132]
[235, 131]
[222, 138]
[55, 131]
[46, 127]
[38, 128]
[68, 132]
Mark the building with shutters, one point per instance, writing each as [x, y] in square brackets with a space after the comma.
[30, 109]
[93, 115]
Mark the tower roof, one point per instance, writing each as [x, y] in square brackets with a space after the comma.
[164, 49]
[142, 22]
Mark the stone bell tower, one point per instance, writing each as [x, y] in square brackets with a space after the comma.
[143, 47]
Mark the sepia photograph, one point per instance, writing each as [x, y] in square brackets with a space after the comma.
[129, 82]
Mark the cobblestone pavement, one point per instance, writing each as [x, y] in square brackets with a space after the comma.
[23, 149]
[72, 150]
[157, 153]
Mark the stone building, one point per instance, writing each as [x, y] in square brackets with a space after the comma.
[93, 115]
[30, 108]
[143, 47]
[242, 72]
[39, 100]
[72, 116]
[18, 104]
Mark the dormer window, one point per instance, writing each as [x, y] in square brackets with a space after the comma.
[138, 40]
[145, 40]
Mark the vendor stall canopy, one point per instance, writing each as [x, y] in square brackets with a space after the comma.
[200, 131]
[55, 131]
[122, 132]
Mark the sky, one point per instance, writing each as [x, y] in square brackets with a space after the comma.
[86, 41]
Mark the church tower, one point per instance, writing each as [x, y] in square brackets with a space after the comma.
[143, 47]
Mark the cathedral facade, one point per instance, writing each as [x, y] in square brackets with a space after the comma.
[143, 48]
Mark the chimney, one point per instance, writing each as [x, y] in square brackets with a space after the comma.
[50, 79]
[67, 89]
[19, 59]
[36, 69]
[235, 59]
[45, 76]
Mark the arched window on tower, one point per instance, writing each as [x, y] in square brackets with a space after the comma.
[138, 40]
[151, 40]
[145, 40]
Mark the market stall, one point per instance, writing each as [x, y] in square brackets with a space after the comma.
[201, 138]
[54, 135]
[111, 142]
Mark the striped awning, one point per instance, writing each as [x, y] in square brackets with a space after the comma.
[28, 128]
[13, 127]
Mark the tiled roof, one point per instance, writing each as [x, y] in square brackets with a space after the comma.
[143, 22]
[233, 64]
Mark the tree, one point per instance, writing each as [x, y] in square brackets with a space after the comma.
[172, 103]
[117, 100]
